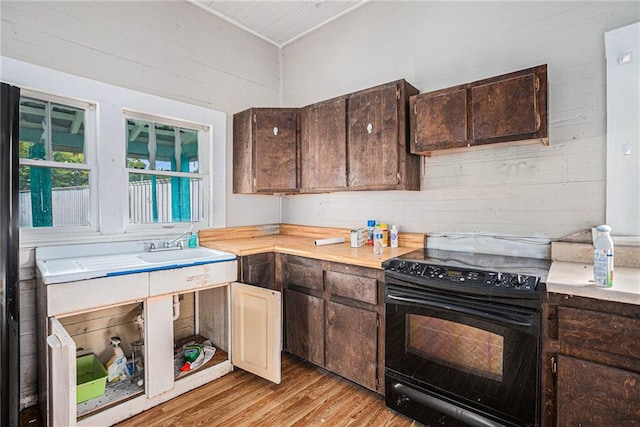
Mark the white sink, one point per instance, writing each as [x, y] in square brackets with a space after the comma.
[59, 264]
[188, 255]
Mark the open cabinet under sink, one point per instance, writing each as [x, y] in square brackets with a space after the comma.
[242, 322]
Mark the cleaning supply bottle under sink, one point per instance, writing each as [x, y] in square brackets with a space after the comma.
[117, 364]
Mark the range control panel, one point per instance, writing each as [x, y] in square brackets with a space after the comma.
[490, 279]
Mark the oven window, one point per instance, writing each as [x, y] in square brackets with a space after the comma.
[456, 345]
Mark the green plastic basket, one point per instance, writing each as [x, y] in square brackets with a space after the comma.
[91, 378]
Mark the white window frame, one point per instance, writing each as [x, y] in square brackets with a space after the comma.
[205, 141]
[90, 156]
[109, 152]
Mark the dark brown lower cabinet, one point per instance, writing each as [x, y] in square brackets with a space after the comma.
[591, 394]
[351, 345]
[258, 270]
[591, 362]
[333, 315]
[304, 330]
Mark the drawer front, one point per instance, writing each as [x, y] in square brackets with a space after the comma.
[357, 288]
[93, 293]
[163, 282]
[599, 331]
[304, 276]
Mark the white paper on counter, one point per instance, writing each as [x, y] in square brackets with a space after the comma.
[330, 241]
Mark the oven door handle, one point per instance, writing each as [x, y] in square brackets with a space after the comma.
[509, 319]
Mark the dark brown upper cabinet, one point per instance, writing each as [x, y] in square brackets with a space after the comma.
[378, 156]
[439, 120]
[358, 141]
[510, 107]
[265, 150]
[323, 146]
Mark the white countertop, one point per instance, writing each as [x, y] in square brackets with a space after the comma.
[576, 279]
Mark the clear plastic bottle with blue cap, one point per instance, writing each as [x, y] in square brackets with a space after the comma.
[378, 247]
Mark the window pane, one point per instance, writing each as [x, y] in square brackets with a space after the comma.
[160, 199]
[53, 197]
[138, 156]
[166, 148]
[189, 142]
[177, 149]
[66, 133]
[67, 125]
[33, 122]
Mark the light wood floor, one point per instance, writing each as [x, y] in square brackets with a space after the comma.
[307, 396]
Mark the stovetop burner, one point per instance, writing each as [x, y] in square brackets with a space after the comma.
[471, 270]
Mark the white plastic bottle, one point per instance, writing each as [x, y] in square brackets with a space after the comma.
[378, 248]
[116, 365]
[603, 257]
[394, 236]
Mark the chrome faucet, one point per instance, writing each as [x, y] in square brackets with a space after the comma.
[179, 241]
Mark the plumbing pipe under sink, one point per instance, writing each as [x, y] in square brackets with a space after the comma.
[176, 306]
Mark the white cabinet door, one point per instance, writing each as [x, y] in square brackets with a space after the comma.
[158, 362]
[62, 372]
[256, 330]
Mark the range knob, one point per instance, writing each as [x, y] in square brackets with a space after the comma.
[415, 268]
[516, 280]
[493, 278]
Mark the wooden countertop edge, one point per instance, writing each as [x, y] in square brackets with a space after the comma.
[405, 239]
[303, 246]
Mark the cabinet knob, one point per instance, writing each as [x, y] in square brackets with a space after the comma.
[53, 341]
[369, 128]
[275, 130]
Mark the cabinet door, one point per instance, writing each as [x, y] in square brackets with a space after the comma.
[62, 375]
[591, 394]
[505, 108]
[323, 146]
[439, 120]
[256, 330]
[259, 270]
[158, 363]
[373, 138]
[275, 133]
[304, 325]
[351, 343]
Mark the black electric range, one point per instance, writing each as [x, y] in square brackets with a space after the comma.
[463, 337]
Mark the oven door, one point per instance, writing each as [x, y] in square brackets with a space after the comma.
[479, 355]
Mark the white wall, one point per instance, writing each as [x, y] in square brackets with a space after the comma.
[170, 49]
[623, 130]
[167, 48]
[529, 190]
